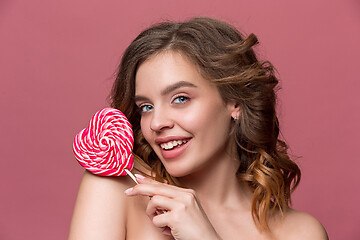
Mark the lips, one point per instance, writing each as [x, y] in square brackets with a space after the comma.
[172, 146]
[161, 140]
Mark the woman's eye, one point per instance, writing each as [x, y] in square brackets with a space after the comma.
[145, 108]
[181, 99]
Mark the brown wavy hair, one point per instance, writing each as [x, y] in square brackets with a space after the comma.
[226, 58]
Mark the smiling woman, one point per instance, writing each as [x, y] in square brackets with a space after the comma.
[202, 107]
[189, 120]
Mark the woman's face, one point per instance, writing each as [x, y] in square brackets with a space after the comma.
[184, 118]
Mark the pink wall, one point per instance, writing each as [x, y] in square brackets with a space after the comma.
[56, 63]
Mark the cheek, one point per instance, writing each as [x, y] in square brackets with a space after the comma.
[208, 119]
[145, 128]
[192, 120]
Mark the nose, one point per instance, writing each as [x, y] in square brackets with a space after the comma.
[161, 120]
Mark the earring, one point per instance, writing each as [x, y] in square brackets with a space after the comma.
[235, 118]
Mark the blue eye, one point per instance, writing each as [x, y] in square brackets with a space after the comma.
[145, 108]
[181, 99]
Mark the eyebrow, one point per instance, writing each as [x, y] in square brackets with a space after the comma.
[168, 89]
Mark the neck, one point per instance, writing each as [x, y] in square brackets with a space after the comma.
[217, 183]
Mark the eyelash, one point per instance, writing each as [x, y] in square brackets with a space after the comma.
[183, 101]
[142, 107]
[181, 96]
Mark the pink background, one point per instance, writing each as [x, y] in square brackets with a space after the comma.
[57, 59]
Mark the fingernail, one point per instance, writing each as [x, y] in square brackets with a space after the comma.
[139, 176]
[127, 191]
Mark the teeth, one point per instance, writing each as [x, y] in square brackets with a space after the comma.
[172, 144]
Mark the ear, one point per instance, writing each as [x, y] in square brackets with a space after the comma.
[235, 110]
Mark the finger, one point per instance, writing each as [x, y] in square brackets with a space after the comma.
[141, 179]
[161, 220]
[144, 189]
[166, 231]
[159, 205]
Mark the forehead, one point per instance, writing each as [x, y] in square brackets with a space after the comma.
[167, 68]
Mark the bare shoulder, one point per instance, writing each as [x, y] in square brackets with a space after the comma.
[100, 208]
[298, 225]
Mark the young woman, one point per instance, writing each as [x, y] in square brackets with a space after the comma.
[211, 164]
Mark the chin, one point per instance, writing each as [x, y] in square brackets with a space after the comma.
[178, 171]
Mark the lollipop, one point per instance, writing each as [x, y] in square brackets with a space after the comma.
[104, 148]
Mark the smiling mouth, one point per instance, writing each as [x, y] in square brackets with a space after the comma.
[173, 144]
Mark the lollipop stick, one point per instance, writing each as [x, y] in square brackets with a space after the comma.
[131, 175]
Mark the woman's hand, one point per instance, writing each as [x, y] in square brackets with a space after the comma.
[176, 211]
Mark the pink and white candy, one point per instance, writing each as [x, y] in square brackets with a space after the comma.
[105, 147]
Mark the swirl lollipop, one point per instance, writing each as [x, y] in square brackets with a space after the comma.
[104, 148]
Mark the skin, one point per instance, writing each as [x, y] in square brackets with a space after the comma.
[215, 204]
